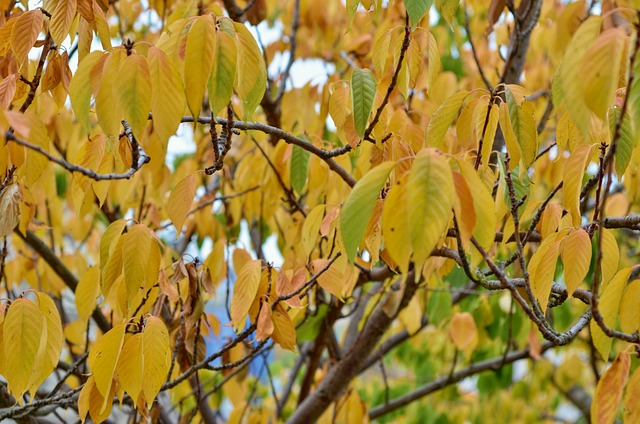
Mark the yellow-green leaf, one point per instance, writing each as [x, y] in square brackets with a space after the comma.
[251, 75]
[22, 333]
[570, 74]
[610, 256]
[601, 70]
[396, 232]
[443, 117]
[167, 95]
[52, 333]
[572, 177]
[606, 399]
[447, 9]
[625, 143]
[133, 92]
[358, 207]
[430, 200]
[198, 61]
[632, 399]
[576, 257]
[609, 307]
[629, 310]
[224, 71]
[524, 127]
[180, 200]
[80, 89]
[363, 91]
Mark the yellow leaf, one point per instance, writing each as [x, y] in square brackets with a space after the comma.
[167, 94]
[216, 261]
[91, 400]
[156, 357]
[572, 177]
[609, 390]
[632, 399]
[25, 33]
[463, 332]
[23, 327]
[264, 325]
[251, 75]
[61, 20]
[130, 367]
[198, 60]
[133, 92]
[609, 307]
[284, 332]
[483, 205]
[430, 194]
[602, 69]
[103, 357]
[244, 292]
[87, 292]
[396, 232]
[576, 257]
[136, 250]
[630, 308]
[109, 117]
[180, 200]
[332, 280]
[542, 268]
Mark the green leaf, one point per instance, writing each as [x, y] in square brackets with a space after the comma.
[626, 142]
[363, 91]
[358, 207]
[299, 167]
[416, 9]
[443, 117]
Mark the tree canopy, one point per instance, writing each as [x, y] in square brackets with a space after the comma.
[319, 211]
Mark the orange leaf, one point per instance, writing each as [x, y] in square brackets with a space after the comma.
[180, 201]
[25, 33]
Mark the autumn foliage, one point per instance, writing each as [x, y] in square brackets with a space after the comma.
[320, 211]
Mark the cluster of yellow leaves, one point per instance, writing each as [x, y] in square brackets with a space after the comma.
[123, 362]
[31, 337]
